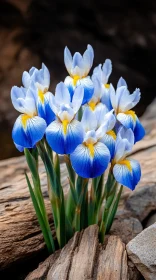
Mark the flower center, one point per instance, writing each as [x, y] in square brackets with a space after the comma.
[92, 105]
[107, 85]
[127, 163]
[112, 133]
[41, 94]
[75, 79]
[65, 126]
[24, 120]
[90, 146]
[132, 113]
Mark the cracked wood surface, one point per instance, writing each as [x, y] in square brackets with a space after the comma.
[84, 258]
[20, 235]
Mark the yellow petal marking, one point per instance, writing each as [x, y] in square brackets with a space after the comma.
[41, 95]
[112, 133]
[126, 162]
[65, 126]
[75, 79]
[107, 85]
[92, 105]
[24, 120]
[132, 113]
[90, 146]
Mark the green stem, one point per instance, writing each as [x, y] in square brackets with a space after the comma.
[113, 210]
[109, 200]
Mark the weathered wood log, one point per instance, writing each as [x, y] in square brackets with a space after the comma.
[20, 235]
[84, 258]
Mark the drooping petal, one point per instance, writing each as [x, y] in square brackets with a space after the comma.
[139, 131]
[123, 175]
[88, 88]
[77, 98]
[87, 165]
[121, 83]
[28, 131]
[45, 110]
[127, 120]
[63, 139]
[68, 59]
[18, 147]
[136, 171]
[62, 95]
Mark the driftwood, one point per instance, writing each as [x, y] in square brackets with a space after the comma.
[84, 258]
[20, 235]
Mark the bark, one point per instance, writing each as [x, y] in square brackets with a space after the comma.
[84, 258]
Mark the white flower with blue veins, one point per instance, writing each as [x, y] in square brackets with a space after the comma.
[122, 102]
[126, 171]
[39, 79]
[102, 73]
[28, 128]
[65, 133]
[78, 68]
[91, 158]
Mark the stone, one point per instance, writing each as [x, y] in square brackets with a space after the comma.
[126, 227]
[142, 252]
[142, 201]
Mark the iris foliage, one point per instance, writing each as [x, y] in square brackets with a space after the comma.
[92, 125]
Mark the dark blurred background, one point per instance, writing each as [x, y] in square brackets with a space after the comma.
[35, 31]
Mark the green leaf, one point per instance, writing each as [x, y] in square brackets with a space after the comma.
[31, 163]
[113, 210]
[49, 242]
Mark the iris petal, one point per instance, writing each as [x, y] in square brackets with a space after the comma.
[126, 120]
[64, 143]
[88, 89]
[109, 141]
[29, 134]
[87, 166]
[136, 170]
[139, 131]
[123, 175]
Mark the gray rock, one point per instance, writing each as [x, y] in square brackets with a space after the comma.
[142, 201]
[126, 227]
[142, 252]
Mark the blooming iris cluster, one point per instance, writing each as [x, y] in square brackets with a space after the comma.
[86, 118]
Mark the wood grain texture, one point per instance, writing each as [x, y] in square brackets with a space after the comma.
[83, 258]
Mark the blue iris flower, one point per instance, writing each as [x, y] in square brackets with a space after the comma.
[102, 73]
[122, 102]
[91, 158]
[78, 68]
[126, 171]
[28, 128]
[40, 81]
[65, 133]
